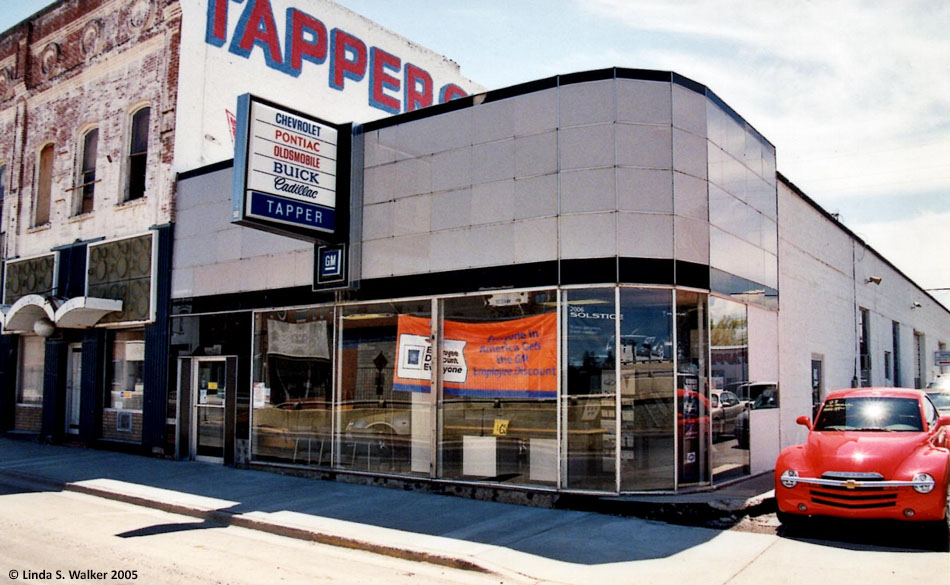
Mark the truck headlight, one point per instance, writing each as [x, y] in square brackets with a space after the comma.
[926, 483]
[789, 478]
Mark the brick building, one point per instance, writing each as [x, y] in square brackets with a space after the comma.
[102, 103]
[88, 95]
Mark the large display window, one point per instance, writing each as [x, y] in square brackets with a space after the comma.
[127, 367]
[647, 414]
[692, 389]
[292, 392]
[385, 410]
[730, 387]
[590, 398]
[499, 388]
[601, 389]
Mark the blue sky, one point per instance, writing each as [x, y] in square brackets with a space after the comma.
[855, 95]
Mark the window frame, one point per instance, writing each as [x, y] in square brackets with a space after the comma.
[40, 185]
[82, 180]
[136, 187]
[3, 194]
[21, 369]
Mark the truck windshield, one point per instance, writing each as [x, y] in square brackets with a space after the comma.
[870, 414]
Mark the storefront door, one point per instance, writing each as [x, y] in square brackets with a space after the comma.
[209, 395]
[73, 387]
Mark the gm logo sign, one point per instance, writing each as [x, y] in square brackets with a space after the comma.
[330, 264]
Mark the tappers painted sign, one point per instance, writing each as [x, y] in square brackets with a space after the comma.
[395, 85]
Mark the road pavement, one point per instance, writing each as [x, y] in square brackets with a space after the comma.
[519, 543]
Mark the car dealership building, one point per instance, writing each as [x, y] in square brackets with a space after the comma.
[595, 282]
[552, 286]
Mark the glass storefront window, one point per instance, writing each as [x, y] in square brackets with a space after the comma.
[590, 396]
[499, 388]
[646, 390]
[32, 357]
[385, 407]
[730, 386]
[292, 393]
[692, 389]
[126, 386]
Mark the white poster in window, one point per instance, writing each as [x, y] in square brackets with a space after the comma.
[305, 340]
[135, 351]
[261, 395]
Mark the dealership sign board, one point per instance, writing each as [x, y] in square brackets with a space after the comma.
[291, 172]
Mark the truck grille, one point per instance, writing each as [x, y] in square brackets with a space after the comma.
[857, 498]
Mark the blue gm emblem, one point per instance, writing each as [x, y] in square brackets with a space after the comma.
[331, 264]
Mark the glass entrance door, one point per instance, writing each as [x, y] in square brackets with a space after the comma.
[209, 390]
[73, 387]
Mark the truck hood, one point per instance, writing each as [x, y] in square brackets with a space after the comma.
[880, 452]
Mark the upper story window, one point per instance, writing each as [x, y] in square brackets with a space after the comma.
[3, 191]
[44, 186]
[138, 153]
[87, 172]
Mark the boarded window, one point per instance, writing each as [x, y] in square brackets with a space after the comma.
[44, 184]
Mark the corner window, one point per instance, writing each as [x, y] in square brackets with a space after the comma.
[138, 153]
[44, 185]
[32, 358]
[87, 172]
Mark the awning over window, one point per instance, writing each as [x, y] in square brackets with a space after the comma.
[74, 313]
[28, 309]
[84, 312]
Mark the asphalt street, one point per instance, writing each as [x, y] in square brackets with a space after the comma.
[511, 542]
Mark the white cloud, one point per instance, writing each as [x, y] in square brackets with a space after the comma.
[918, 246]
[855, 95]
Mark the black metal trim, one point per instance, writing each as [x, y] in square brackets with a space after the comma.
[692, 274]
[587, 76]
[645, 74]
[610, 270]
[689, 84]
[646, 271]
[206, 170]
[589, 270]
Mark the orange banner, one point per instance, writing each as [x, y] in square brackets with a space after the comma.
[513, 359]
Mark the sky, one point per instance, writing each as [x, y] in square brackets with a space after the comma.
[855, 95]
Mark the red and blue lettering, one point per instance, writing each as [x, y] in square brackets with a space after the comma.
[348, 58]
[306, 40]
[380, 80]
[216, 31]
[393, 87]
[449, 92]
[418, 88]
[257, 27]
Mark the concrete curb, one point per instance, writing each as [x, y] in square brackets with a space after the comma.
[226, 518]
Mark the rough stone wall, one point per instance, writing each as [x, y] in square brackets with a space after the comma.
[75, 66]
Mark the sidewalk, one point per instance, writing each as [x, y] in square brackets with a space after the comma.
[519, 542]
